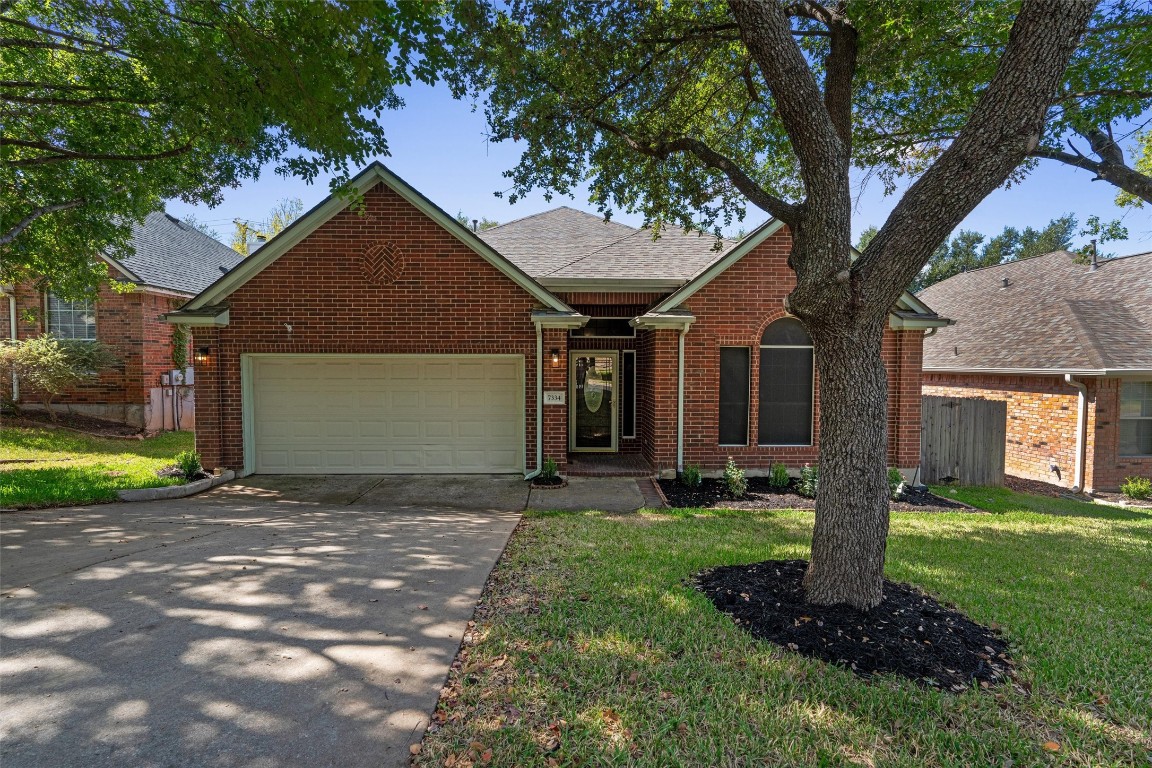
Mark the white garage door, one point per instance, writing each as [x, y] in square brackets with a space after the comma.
[319, 414]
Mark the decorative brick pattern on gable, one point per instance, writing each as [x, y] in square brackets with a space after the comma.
[316, 299]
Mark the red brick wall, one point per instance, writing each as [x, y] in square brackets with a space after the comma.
[129, 323]
[1041, 426]
[733, 310]
[1106, 468]
[447, 299]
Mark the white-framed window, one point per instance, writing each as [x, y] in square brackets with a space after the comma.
[1136, 418]
[71, 319]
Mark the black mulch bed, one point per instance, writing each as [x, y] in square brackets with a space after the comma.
[74, 421]
[713, 493]
[908, 634]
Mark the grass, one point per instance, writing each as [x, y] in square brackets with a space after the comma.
[58, 467]
[590, 649]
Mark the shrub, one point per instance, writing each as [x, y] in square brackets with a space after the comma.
[691, 476]
[896, 486]
[53, 366]
[549, 470]
[809, 481]
[189, 464]
[1136, 487]
[734, 479]
[779, 477]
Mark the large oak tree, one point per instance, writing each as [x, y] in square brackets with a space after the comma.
[109, 107]
[688, 111]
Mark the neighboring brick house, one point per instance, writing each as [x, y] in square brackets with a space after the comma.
[171, 263]
[1068, 346]
[389, 338]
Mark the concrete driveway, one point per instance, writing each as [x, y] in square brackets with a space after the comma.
[272, 622]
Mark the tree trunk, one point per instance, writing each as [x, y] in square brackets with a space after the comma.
[849, 538]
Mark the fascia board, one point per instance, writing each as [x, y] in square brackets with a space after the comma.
[718, 267]
[333, 204]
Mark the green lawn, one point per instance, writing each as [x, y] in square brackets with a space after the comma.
[71, 468]
[591, 650]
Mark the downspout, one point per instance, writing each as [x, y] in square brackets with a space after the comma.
[1081, 419]
[539, 404]
[12, 328]
[680, 405]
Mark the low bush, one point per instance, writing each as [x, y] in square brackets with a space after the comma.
[1136, 487]
[734, 479]
[691, 476]
[549, 470]
[779, 477]
[896, 485]
[189, 464]
[809, 481]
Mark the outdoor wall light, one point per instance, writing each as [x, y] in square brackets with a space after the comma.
[201, 356]
[555, 358]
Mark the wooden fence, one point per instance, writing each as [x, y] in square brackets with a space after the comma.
[962, 440]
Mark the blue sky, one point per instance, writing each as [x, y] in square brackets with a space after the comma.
[438, 146]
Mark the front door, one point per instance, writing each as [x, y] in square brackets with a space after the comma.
[593, 386]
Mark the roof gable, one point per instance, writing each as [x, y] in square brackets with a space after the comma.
[304, 226]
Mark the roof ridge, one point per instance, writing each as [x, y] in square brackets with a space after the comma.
[553, 210]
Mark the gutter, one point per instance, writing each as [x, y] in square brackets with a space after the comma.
[10, 292]
[539, 404]
[542, 319]
[1081, 420]
[680, 404]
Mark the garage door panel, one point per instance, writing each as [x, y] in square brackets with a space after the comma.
[433, 414]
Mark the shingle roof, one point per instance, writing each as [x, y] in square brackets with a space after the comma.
[566, 243]
[1053, 314]
[171, 255]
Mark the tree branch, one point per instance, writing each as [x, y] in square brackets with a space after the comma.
[36, 213]
[63, 153]
[1003, 129]
[97, 47]
[59, 102]
[1121, 92]
[785, 211]
[1117, 174]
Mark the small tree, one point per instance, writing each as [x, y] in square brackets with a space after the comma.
[52, 366]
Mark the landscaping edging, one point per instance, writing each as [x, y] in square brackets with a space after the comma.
[175, 491]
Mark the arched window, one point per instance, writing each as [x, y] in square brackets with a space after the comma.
[786, 382]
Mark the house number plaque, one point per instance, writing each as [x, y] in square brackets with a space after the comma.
[554, 398]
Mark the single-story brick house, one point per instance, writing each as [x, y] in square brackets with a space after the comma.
[389, 338]
[171, 262]
[1068, 346]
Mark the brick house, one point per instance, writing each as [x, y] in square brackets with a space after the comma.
[393, 339]
[1068, 347]
[171, 262]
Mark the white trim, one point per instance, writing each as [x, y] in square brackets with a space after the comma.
[632, 435]
[1120, 419]
[748, 410]
[247, 414]
[654, 322]
[1045, 371]
[132, 276]
[615, 421]
[766, 230]
[709, 273]
[1081, 421]
[610, 284]
[220, 319]
[680, 402]
[308, 223]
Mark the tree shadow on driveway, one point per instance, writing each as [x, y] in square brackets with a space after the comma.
[261, 635]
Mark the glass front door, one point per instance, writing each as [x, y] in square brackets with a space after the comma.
[593, 398]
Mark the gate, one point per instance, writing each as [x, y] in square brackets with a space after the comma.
[962, 440]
